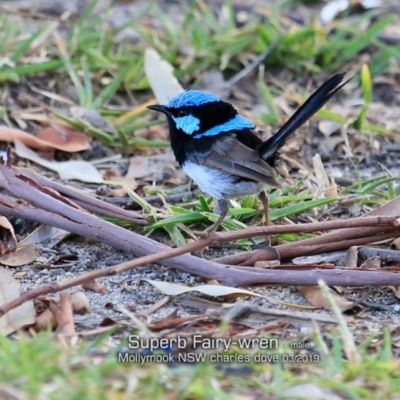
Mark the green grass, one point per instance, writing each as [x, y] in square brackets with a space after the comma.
[98, 68]
[247, 212]
[43, 368]
[290, 203]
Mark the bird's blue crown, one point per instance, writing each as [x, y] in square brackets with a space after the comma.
[191, 98]
[190, 124]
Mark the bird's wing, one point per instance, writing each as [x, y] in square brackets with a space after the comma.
[229, 155]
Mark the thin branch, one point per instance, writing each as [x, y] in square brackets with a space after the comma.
[252, 65]
[378, 221]
[116, 269]
[305, 247]
[83, 199]
[52, 209]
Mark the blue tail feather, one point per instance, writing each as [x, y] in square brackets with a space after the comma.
[268, 149]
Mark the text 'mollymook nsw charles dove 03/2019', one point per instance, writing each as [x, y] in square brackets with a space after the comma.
[218, 149]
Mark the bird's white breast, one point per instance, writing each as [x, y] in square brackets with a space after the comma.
[218, 184]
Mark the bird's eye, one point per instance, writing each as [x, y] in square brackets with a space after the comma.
[181, 113]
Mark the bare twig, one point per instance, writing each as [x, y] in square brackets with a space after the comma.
[386, 255]
[368, 222]
[114, 270]
[82, 199]
[337, 240]
[251, 66]
[305, 247]
[235, 276]
[54, 210]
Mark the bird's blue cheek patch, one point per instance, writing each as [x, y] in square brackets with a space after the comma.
[189, 124]
[237, 123]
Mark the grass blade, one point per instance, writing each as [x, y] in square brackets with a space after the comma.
[366, 84]
[299, 208]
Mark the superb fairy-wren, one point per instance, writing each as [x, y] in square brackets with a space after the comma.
[218, 149]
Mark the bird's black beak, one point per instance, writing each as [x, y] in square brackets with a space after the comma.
[159, 108]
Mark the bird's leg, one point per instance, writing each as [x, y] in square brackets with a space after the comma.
[264, 200]
[223, 207]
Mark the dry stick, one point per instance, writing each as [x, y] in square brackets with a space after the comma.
[242, 276]
[364, 222]
[336, 243]
[296, 249]
[76, 221]
[252, 276]
[221, 237]
[324, 243]
[90, 226]
[252, 65]
[45, 200]
[88, 276]
[64, 315]
[241, 262]
[130, 241]
[93, 227]
[338, 277]
[84, 200]
[304, 248]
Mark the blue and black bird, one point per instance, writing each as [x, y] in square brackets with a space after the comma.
[219, 150]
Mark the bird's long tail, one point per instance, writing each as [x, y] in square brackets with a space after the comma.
[268, 149]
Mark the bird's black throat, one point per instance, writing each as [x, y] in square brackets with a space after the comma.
[210, 115]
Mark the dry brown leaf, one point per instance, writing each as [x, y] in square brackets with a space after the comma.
[373, 262]
[173, 320]
[151, 167]
[160, 74]
[80, 303]
[352, 257]
[45, 320]
[73, 169]
[53, 138]
[24, 254]
[396, 244]
[65, 139]
[173, 289]
[18, 317]
[8, 242]
[395, 290]
[63, 315]
[314, 296]
[327, 128]
[45, 235]
[95, 286]
[323, 183]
